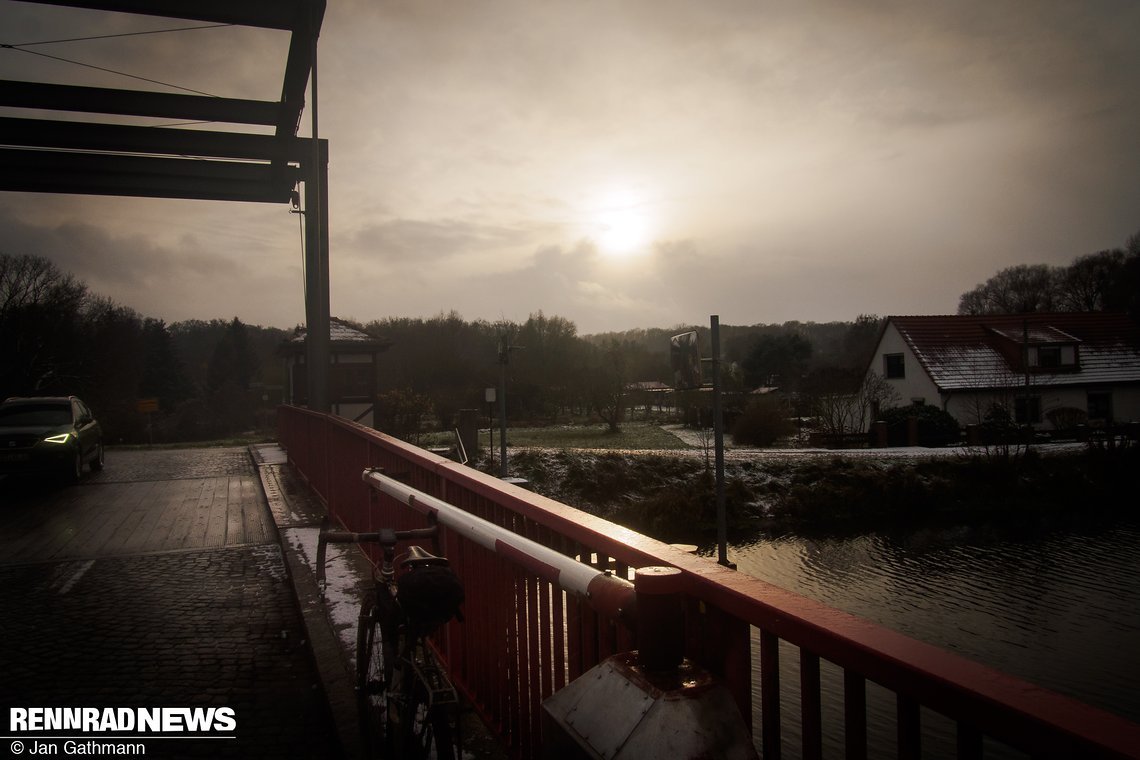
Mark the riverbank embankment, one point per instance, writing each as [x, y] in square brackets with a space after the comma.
[671, 494]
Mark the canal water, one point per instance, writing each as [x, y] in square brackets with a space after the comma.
[1057, 607]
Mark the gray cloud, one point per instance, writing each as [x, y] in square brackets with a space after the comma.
[799, 161]
[182, 280]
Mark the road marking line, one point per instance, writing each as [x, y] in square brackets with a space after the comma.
[79, 572]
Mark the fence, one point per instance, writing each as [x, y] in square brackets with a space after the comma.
[524, 638]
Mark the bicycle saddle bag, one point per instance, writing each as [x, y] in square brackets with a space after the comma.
[430, 595]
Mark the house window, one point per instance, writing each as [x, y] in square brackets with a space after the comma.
[351, 381]
[1049, 356]
[1027, 410]
[1100, 406]
[893, 366]
[1062, 358]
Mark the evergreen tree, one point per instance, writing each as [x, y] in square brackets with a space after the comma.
[233, 363]
[164, 376]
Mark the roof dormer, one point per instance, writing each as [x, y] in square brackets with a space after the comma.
[1039, 348]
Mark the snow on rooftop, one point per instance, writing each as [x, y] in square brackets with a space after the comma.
[339, 332]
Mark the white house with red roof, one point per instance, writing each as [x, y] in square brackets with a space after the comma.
[1046, 369]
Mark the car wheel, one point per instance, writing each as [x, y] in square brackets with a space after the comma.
[97, 462]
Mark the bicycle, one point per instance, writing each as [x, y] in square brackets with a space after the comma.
[407, 704]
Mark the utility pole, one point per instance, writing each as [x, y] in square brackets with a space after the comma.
[718, 442]
[504, 359]
[489, 397]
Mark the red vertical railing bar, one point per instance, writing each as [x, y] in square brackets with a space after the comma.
[575, 646]
[909, 728]
[770, 694]
[606, 635]
[557, 622]
[331, 460]
[533, 659]
[590, 649]
[545, 625]
[516, 665]
[509, 682]
[529, 587]
[811, 708]
[475, 579]
[854, 715]
[474, 672]
[559, 625]
[522, 673]
[724, 646]
[485, 664]
[626, 639]
[456, 661]
[495, 656]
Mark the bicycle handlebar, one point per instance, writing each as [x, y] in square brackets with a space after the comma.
[380, 536]
[386, 538]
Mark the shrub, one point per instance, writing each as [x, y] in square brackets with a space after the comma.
[936, 427]
[762, 423]
[401, 413]
[1066, 417]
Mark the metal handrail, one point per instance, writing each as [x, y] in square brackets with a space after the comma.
[607, 593]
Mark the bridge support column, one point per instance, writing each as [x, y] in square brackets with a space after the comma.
[317, 280]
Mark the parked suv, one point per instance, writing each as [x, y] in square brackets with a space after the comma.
[50, 434]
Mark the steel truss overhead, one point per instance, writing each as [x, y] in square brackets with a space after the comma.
[86, 157]
[82, 157]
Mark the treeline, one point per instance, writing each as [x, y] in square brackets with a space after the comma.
[439, 365]
[211, 379]
[215, 378]
[1107, 280]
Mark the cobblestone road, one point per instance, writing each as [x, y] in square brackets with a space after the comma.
[206, 625]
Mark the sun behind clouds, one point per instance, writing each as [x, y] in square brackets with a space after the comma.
[621, 223]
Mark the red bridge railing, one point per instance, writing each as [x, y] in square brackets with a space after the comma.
[524, 638]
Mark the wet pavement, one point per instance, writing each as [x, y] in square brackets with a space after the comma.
[158, 583]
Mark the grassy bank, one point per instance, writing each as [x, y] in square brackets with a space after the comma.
[631, 436]
[673, 498]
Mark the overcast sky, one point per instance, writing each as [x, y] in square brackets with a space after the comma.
[628, 164]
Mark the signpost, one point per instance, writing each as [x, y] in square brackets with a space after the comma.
[147, 406]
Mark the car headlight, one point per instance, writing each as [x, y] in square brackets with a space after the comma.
[61, 438]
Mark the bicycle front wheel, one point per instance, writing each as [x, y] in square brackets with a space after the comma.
[373, 676]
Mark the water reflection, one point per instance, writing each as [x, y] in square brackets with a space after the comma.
[1059, 608]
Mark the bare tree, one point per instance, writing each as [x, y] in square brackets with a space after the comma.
[606, 385]
[1088, 283]
[839, 412]
[33, 281]
[1013, 290]
[40, 322]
